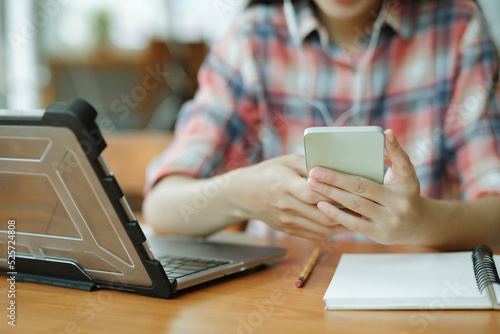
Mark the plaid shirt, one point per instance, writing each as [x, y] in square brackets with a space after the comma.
[432, 79]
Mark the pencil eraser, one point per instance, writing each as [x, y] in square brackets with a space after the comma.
[299, 283]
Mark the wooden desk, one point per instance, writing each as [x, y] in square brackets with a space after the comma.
[263, 301]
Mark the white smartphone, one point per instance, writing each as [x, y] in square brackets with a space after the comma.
[354, 150]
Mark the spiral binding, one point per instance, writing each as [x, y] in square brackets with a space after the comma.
[484, 267]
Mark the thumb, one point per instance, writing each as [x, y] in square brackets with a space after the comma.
[396, 158]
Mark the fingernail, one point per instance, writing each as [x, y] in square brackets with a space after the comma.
[390, 136]
[317, 173]
[323, 207]
[313, 184]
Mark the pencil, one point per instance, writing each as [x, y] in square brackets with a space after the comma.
[307, 268]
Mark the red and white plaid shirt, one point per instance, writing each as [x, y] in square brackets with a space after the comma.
[432, 79]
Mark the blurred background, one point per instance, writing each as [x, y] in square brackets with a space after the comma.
[135, 61]
[105, 51]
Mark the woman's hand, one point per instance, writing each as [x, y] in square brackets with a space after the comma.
[275, 192]
[388, 213]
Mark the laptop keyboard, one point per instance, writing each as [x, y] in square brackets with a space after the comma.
[176, 266]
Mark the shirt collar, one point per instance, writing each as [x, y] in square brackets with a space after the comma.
[309, 22]
[400, 17]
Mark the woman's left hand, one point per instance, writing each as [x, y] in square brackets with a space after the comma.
[387, 213]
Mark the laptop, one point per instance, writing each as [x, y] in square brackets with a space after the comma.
[64, 220]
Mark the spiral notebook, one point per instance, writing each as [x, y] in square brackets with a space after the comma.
[455, 280]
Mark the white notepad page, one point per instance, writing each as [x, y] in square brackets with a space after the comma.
[406, 281]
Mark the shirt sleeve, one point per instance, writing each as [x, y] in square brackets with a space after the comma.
[219, 129]
[472, 122]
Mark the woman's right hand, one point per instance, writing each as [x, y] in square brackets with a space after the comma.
[275, 191]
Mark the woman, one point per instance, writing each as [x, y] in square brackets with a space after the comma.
[426, 71]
